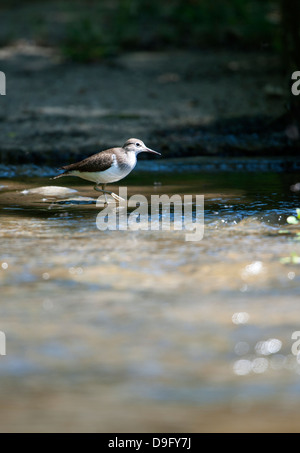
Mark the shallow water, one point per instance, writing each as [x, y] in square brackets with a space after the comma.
[142, 330]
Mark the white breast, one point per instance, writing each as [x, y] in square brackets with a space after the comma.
[131, 160]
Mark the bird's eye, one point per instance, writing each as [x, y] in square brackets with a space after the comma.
[137, 144]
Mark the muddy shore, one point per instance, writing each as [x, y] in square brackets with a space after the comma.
[207, 103]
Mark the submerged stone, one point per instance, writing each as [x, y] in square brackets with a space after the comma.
[54, 191]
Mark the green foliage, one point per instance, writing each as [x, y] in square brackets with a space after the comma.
[293, 259]
[85, 42]
[152, 24]
[88, 30]
[218, 22]
[292, 220]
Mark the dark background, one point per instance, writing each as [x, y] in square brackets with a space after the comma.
[261, 40]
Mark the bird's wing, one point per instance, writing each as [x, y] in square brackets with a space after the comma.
[98, 162]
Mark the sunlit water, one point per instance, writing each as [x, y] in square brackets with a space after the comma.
[143, 330]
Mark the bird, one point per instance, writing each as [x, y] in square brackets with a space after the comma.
[108, 166]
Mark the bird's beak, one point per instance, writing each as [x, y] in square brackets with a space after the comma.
[148, 150]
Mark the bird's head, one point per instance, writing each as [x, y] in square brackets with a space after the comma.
[137, 146]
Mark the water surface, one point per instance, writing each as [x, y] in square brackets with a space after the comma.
[142, 330]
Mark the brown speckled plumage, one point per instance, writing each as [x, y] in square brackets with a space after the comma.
[97, 162]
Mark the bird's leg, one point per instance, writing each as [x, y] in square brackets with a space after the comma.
[97, 188]
[102, 190]
[115, 196]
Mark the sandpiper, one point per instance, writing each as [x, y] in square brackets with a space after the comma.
[108, 166]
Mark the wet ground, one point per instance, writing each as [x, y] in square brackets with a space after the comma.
[137, 331]
[182, 103]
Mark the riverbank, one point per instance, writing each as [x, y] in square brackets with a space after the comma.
[218, 103]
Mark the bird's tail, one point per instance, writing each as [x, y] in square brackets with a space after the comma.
[58, 176]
